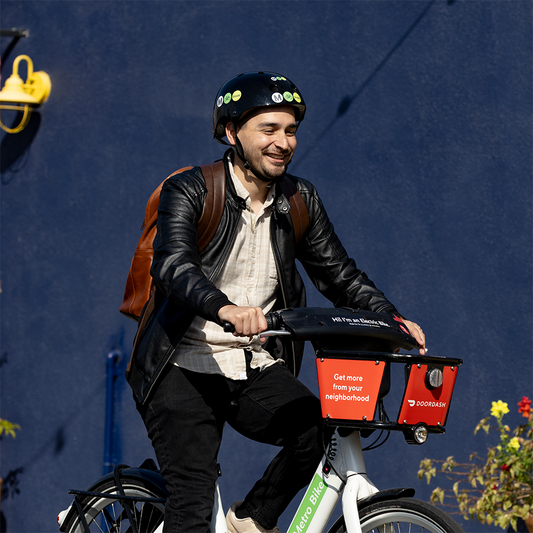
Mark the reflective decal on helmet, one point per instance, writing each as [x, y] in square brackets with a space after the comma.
[227, 98]
[288, 96]
[297, 97]
[277, 98]
[236, 95]
[220, 101]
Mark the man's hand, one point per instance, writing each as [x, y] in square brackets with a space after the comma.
[248, 321]
[416, 331]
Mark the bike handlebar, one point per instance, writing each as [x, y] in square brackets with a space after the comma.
[339, 328]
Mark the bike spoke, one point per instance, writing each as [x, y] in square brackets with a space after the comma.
[114, 527]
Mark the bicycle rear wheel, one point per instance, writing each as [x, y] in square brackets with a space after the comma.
[401, 516]
[107, 515]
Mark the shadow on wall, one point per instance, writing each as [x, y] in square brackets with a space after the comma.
[347, 101]
[10, 487]
[14, 150]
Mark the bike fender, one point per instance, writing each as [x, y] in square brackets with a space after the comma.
[387, 494]
[150, 476]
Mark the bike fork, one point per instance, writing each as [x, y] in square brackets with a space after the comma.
[218, 521]
[358, 485]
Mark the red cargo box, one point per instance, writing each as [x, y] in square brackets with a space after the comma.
[349, 388]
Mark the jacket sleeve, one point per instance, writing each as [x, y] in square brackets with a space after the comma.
[176, 267]
[328, 265]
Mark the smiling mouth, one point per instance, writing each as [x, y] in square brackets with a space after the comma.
[280, 158]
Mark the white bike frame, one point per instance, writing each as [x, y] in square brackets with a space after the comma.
[344, 471]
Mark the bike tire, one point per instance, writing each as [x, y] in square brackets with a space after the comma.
[105, 515]
[401, 515]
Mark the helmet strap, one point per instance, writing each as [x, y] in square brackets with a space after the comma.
[239, 150]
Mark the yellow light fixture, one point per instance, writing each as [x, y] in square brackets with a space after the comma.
[24, 96]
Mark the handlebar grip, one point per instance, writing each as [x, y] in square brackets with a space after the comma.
[228, 327]
[271, 320]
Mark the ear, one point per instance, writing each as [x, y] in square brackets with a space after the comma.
[231, 133]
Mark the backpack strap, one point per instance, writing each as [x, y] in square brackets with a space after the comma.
[299, 212]
[215, 181]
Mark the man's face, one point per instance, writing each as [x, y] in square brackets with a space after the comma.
[268, 138]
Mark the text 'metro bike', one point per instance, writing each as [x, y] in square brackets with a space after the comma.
[354, 352]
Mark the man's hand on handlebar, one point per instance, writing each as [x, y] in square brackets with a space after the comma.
[248, 321]
[416, 331]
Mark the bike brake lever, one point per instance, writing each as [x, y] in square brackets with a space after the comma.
[275, 333]
[230, 328]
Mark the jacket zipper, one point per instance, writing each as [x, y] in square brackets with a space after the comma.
[225, 254]
[283, 294]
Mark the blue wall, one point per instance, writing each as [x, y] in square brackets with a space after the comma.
[418, 137]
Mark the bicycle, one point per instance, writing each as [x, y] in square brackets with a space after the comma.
[354, 352]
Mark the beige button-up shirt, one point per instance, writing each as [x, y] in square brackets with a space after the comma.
[249, 278]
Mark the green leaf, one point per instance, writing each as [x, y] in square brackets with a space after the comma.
[8, 428]
[437, 495]
[456, 488]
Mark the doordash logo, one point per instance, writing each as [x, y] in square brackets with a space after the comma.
[422, 403]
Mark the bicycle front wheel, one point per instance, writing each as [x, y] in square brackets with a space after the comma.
[109, 515]
[401, 516]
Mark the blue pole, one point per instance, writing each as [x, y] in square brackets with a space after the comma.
[111, 374]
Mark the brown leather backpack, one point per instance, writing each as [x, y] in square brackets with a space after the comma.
[139, 285]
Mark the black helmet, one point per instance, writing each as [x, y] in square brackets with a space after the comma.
[251, 90]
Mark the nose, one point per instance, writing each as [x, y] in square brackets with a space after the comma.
[281, 141]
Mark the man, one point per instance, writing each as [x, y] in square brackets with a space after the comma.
[189, 377]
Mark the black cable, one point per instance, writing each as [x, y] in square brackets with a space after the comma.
[330, 454]
[373, 446]
[383, 417]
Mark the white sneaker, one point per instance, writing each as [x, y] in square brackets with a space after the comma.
[244, 525]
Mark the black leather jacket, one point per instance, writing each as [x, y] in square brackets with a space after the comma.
[184, 277]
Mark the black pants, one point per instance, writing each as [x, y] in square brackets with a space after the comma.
[185, 417]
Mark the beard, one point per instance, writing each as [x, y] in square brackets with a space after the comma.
[268, 171]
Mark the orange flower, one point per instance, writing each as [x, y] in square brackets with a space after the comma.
[524, 406]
